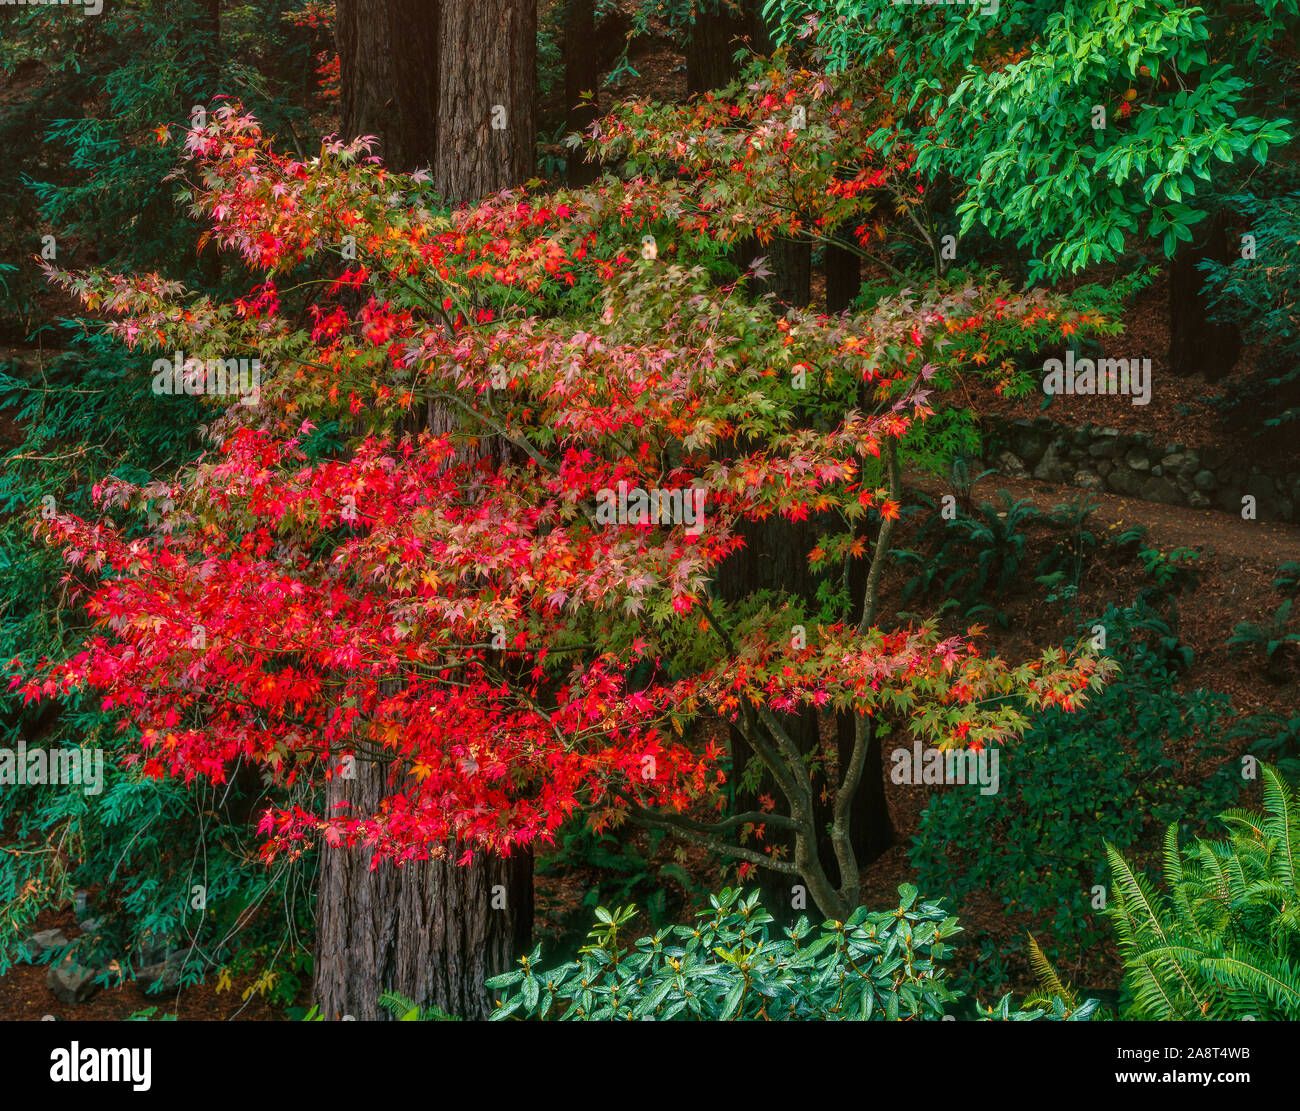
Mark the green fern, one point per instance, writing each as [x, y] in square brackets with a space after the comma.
[1226, 942]
[406, 1010]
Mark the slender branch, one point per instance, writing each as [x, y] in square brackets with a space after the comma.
[667, 822]
[871, 598]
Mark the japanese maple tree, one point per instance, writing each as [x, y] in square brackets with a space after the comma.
[352, 574]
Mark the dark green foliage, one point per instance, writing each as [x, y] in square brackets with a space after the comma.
[1275, 738]
[886, 966]
[1288, 578]
[1276, 640]
[974, 560]
[1223, 940]
[82, 160]
[141, 845]
[623, 870]
[1109, 772]
[1259, 295]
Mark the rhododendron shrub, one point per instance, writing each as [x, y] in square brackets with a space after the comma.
[459, 593]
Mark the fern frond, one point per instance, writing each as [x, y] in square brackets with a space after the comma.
[1281, 822]
[1049, 981]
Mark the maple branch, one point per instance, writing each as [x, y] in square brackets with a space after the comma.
[523, 445]
[799, 794]
[841, 824]
[650, 820]
[750, 817]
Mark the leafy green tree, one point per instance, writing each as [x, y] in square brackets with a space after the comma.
[1072, 128]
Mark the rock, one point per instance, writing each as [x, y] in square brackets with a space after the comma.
[1197, 500]
[1157, 470]
[1205, 480]
[46, 939]
[1124, 481]
[1029, 442]
[1137, 460]
[90, 925]
[1010, 466]
[1266, 499]
[1088, 480]
[1182, 463]
[1103, 449]
[1161, 490]
[153, 949]
[1049, 468]
[166, 973]
[71, 982]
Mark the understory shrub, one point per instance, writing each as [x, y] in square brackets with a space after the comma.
[1109, 772]
[875, 965]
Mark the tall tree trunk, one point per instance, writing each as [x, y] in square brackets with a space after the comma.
[388, 77]
[1197, 346]
[487, 92]
[432, 931]
[711, 44]
[843, 271]
[581, 75]
[208, 18]
[424, 76]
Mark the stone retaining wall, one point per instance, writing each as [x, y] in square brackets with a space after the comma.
[1106, 460]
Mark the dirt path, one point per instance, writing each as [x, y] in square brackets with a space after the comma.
[1168, 526]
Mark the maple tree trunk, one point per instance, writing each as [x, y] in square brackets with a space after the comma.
[424, 77]
[1196, 345]
[775, 558]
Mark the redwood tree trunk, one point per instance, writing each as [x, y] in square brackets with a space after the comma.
[388, 77]
[424, 76]
[487, 86]
[581, 75]
[843, 271]
[432, 931]
[1197, 346]
[713, 42]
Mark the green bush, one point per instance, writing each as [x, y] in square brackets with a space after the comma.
[1225, 942]
[1106, 773]
[883, 966]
